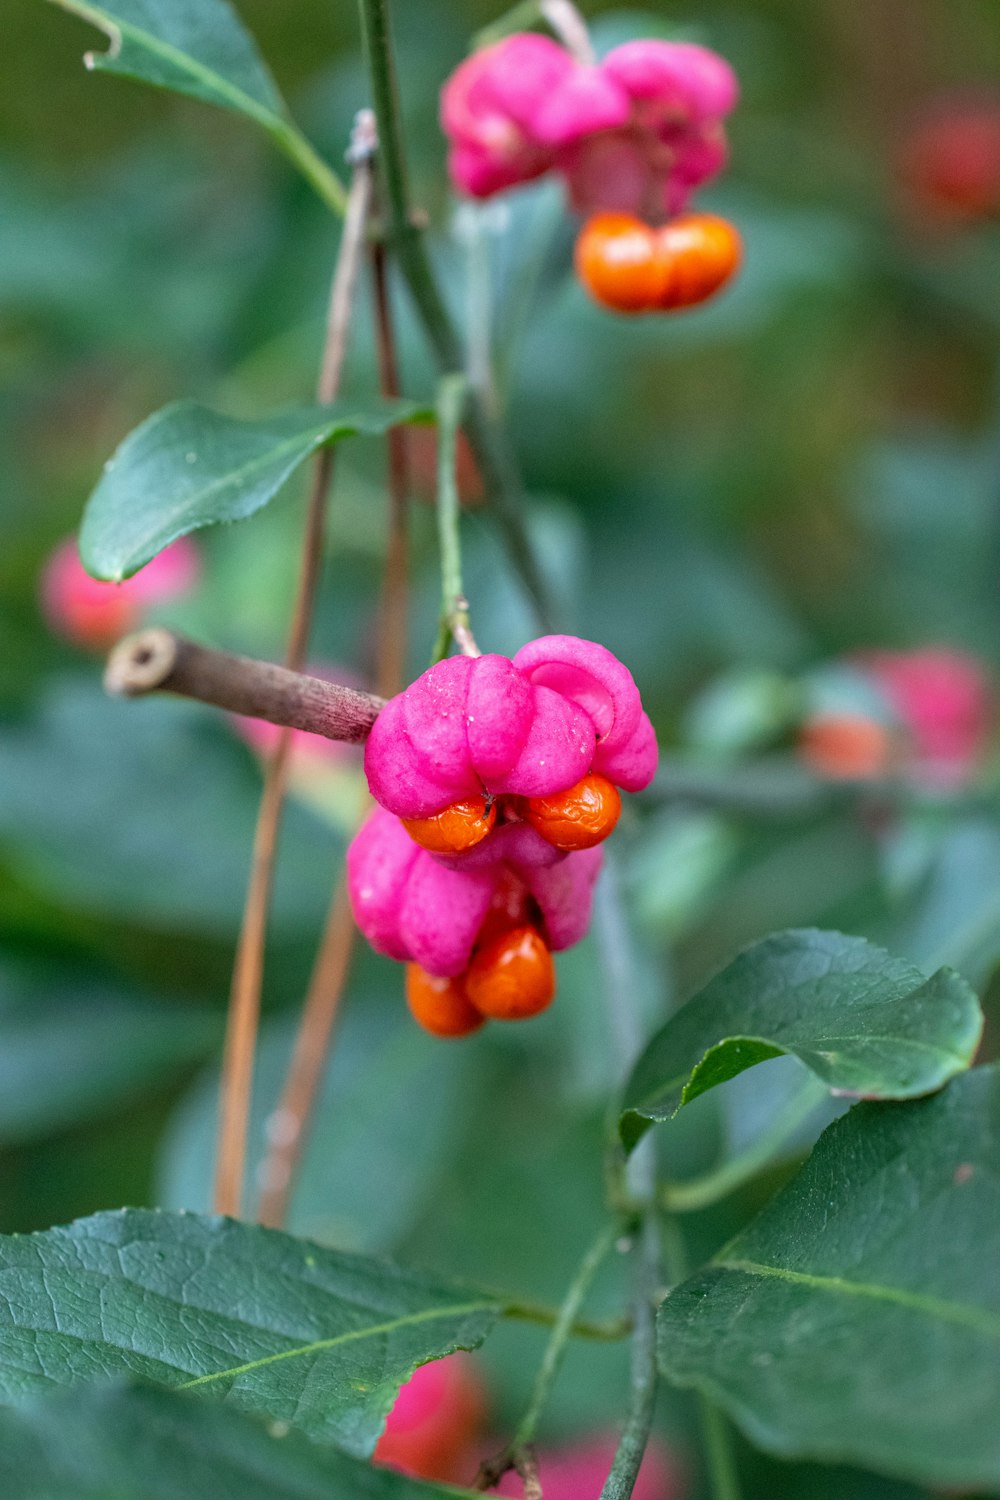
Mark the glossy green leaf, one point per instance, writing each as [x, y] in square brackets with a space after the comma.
[857, 1319]
[197, 47]
[186, 467]
[73, 1045]
[114, 1441]
[864, 1022]
[282, 1327]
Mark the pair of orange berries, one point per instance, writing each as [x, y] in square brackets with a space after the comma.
[633, 268]
[512, 975]
[578, 818]
[511, 978]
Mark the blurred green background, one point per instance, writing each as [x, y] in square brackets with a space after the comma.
[730, 500]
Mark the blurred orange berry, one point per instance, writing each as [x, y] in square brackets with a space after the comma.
[696, 256]
[845, 747]
[616, 262]
[440, 1005]
[633, 268]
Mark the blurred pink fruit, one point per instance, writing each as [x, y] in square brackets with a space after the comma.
[950, 160]
[95, 615]
[635, 133]
[435, 1427]
[578, 1472]
[942, 698]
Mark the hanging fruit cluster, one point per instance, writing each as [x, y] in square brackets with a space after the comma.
[632, 135]
[497, 782]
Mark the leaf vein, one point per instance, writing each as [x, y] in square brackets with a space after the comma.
[979, 1319]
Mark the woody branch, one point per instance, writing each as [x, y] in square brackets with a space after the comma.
[159, 661]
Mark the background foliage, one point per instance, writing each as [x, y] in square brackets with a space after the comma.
[730, 501]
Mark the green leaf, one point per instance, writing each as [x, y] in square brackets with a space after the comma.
[187, 467]
[74, 1045]
[196, 47]
[282, 1327]
[857, 1319]
[864, 1022]
[114, 1441]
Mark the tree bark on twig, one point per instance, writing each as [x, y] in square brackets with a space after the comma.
[160, 661]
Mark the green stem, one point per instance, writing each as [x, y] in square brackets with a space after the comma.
[454, 608]
[701, 1192]
[717, 1442]
[562, 1329]
[720, 1459]
[495, 463]
[518, 18]
[634, 1183]
[611, 1331]
[632, 1446]
[289, 139]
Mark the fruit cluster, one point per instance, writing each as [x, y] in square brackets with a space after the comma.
[497, 781]
[925, 714]
[632, 135]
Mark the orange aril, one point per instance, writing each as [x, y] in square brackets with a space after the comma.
[512, 976]
[695, 256]
[578, 818]
[456, 829]
[440, 1005]
[616, 261]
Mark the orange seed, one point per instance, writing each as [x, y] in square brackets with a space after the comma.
[578, 818]
[439, 1005]
[456, 829]
[512, 977]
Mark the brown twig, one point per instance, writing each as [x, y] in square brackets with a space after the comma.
[524, 1460]
[160, 661]
[289, 1124]
[569, 26]
[248, 968]
[392, 625]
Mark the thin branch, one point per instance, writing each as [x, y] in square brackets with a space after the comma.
[248, 968]
[160, 661]
[392, 624]
[492, 1470]
[288, 1126]
[502, 483]
[560, 15]
[635, 1436]
[525, 13]
[701, 1192]
[569, 26]
[720, 1457]
[454, 621]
